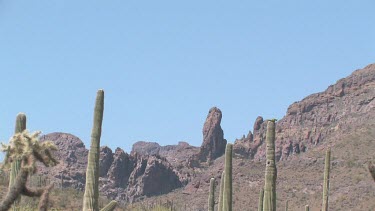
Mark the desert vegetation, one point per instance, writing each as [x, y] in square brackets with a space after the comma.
[25, 149]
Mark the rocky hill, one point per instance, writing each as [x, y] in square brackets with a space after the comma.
[323, 118]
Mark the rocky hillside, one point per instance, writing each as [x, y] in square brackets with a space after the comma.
[320, 116]
[151, 169]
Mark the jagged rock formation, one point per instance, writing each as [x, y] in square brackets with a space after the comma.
[213, 145]
[72, 157]
[248, 146]
[131, 177]
[318, 116]
[146, 148]
[177, 155]
[122, 176]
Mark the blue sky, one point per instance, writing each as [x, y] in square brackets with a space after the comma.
[164, 64]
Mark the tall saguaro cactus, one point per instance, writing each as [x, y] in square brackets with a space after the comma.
[260, 203]
[211, 197]
[227, 194]
[327, 166]
[91, 196]
[269, 200]
[221, 193]
[16, 165]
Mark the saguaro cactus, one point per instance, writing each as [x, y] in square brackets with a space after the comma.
[91, 196]
[16, 165]
[327, 166]
[110, 207]
[211, 197]
[227, 194]
[221, 193]
[260, 203]
[269, 201]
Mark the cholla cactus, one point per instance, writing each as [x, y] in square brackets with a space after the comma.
[26, 148]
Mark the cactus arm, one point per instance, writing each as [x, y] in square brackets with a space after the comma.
[260, 202]
[110, 206]
[269, 201]
[211, 197]
[326, 179]
[91, 196]
[227, 195]
[220, 205]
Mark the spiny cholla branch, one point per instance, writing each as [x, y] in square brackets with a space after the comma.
[27, 148]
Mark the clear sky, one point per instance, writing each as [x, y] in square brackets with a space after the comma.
[164, 64]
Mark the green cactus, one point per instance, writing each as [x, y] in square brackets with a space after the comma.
[16, 165]
[220, 204]
[227, 194]
[327, 166]
[211, 196]
[110, 206]
[91, 196]
[269, 200]
[260, 203]
[286, 205]
[307, 208]
[27, 148]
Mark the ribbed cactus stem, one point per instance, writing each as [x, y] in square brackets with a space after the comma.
[91, 196]
[227, 194]
[260, 203]
[327, 166]
[286, 205]
[110, 206]
[220, 204]
[307, 208]
[16, 165]
[269, 201]
[211, 197]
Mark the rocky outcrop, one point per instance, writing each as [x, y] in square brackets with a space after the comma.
[152, 175]
[146, 148]
[213, 145]
[317, 117]
[177, 155]
[106, 160]
[248, 146]
[122, 176]
[72, 157]
[120, 169]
